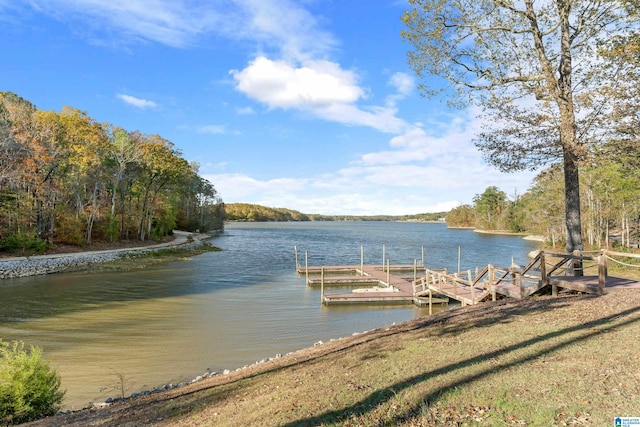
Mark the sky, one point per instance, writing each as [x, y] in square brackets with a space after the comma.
[308, 105]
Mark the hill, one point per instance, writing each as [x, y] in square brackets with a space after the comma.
[258, 213]
[545, 361]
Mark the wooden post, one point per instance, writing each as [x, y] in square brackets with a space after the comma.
[383, 255]
[602, 273]
[388, 273]
[362, 260]
[473, 291]
[430, 302]
[543, 269]
[306, 265]
[322, 286]
[295, 248]
[577, 264]
[521, 279]
[491, 272]
[455, 287]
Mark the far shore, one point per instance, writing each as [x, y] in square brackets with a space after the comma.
[525, 236]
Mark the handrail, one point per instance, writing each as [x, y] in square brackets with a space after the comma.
[491, 276]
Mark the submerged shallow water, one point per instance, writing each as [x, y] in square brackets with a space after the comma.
[221, 310]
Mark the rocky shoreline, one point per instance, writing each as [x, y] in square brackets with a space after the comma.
[46, 264]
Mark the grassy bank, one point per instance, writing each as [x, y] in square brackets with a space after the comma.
[570, 360]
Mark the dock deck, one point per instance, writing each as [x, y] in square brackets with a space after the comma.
[372, 284]
[404, 284]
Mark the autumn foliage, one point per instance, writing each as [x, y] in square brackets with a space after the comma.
[65, 178]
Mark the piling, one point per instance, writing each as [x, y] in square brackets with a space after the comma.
[383, 255]
[322, 286]
[388, 273]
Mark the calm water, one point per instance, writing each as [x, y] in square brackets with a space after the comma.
[220, 310]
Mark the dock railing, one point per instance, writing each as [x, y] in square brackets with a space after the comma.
[520, 282]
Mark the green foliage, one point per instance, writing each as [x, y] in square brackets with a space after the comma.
[26, 242]
[70, 231]
[257, 213]
[461, 216]
[111, 230]
[29, 388]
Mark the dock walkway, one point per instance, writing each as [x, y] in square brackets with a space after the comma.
[421, 286]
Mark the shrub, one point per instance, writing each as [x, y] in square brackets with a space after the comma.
[29, 388]
[27, 242]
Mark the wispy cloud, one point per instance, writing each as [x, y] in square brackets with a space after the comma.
[136, 102]
[403, 84]
[424, 169]
[245, 111]
[281, 25]
[212, 129]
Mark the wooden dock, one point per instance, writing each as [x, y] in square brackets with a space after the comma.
[405, 284]
[371, 284]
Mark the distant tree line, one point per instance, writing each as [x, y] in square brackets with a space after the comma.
[610, 186]
[252, 212]
[65, 178]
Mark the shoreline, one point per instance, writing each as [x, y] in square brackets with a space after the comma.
[525, 236]
[548, 330]
[27, 266]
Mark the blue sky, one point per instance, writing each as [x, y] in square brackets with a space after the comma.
[308, 104]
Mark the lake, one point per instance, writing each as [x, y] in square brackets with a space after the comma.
[221, 310]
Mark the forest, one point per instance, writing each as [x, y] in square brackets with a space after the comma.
[252, 212]
[610, 195]
[67, 179]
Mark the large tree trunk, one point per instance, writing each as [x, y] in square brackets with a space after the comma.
[568, 137]
[572, 204]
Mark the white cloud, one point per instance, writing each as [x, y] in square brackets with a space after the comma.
[136, 102]
[279, 85]
[213, 129]
[320, 87]
[403, 84]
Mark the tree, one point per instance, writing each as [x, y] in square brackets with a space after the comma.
[461, 216]
[531, 67]
[489, 206]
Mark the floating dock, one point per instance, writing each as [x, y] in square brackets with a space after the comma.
[371, 284]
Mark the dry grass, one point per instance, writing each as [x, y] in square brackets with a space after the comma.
[571, 360]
